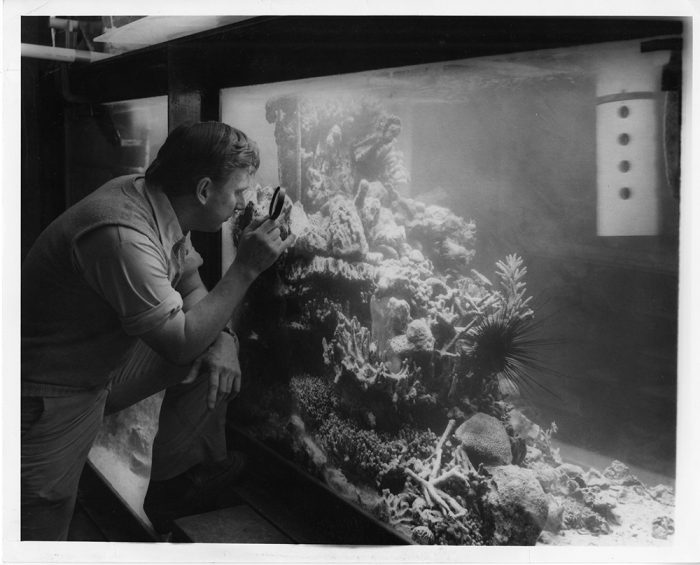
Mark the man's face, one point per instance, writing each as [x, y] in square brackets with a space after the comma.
[227, 198]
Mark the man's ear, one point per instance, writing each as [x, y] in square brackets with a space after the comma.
[203, 191]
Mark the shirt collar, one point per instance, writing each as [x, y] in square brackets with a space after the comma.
[168, 226]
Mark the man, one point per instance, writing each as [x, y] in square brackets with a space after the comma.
[114, 310]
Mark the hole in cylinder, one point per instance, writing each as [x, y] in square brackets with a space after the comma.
[624, 166]
[623, 139]
[623, 111]
[625, 193]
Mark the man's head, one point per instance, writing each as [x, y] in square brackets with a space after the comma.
[209, 161]
[197, 150]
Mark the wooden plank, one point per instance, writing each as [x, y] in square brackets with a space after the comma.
[278, 511]
[238, 524]
[300, 505]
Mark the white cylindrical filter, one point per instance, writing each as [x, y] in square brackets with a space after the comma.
[628, 142]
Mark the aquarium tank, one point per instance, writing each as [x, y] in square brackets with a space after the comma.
[473, 337]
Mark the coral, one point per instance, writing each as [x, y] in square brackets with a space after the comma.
[663, 494]
[577, 516]
[346, 235]
[444, 495]
[511, 272]
[620, 474]
[408, 281]
[390, 316]
[412, 339]
[376, 155]
[446, 239]
[485, 440]
[662, 527]
[422, 535]
[311, 231]
[314, 398]
[359, 453]
[258, 207]
[329, 269]
[351, 352]
[419, 335]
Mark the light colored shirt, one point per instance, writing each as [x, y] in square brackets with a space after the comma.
[103, 273]
[136, 277]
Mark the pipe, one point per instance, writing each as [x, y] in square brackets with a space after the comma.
[61, 54]
[61, 23]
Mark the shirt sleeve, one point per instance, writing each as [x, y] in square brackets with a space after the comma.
[131, 273]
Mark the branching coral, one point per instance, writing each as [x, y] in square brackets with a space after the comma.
[440, 503]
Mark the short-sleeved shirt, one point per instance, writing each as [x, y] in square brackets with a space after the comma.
[103, 273]
[138, 278]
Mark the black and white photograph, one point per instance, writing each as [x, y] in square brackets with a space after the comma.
[319, 286]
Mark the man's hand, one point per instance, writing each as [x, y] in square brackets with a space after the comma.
[260, 246]
[220, 365]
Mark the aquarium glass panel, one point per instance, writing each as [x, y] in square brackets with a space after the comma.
[473, 336]
[104, 141]
[107, 140]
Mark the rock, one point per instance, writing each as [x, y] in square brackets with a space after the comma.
[555, 516]
[312, 238]
[376, 190]
[518, 449]
[374, 257]
[663, 494]
[601, 502]
[444, 238]
[516, 506]
[138, 441]
[140, 464]
[532, 456]
[547, 538]
[422, 535]
[390, 317]
[387, 251]
[595, 478]
[546, 475]
[337, 481]
[386, 231]
[485, 440]
[330, 269]
[397, 349]
[662, 527]
[419, 335]
[345, 232]
[620, 474]
[416, 256]
[572, 472]
[522, 425]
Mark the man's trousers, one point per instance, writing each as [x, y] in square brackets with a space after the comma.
[58, 432]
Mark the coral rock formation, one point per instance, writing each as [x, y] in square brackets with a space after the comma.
[485, 440]
[517, 506]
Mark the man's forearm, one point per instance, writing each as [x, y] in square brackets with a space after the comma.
[193, 297]
[183, 338]
[205, 319]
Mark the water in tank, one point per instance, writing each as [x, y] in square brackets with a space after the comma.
[474, 334]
